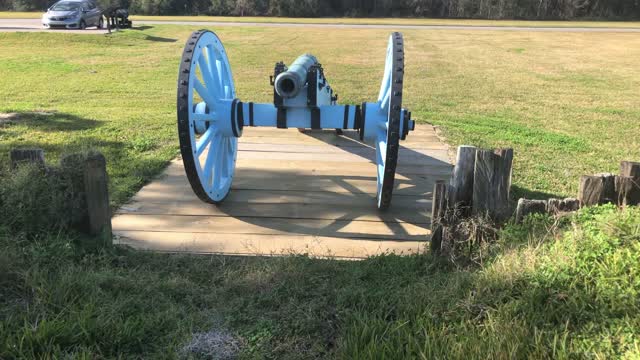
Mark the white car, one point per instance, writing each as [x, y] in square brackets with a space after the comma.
[73, 14]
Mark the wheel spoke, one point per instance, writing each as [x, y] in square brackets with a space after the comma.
[206, 76]
[217, 174]
[387, 73]
[213, 69]
[203, 117]
[384, 104]
[204, 94]
[204, 140]
[211, 156]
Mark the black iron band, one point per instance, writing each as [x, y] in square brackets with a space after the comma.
[281, 121]
[233, 119]
[240, 119]
[250, 114]
[315, 118]
[345, 124]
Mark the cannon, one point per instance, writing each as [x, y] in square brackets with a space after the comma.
[211, 118]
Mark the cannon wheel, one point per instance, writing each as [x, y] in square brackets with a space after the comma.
[204, 79]
[388, 136]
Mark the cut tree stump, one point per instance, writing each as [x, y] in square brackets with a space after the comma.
[630, 168]
[628, 184]
[526, 207]
[492, 183]
[97, 195]
[597, 189]
[558, 206]
[26, 156]
[627, 190]
[461, 189]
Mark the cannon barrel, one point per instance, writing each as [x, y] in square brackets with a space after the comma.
[289, 83]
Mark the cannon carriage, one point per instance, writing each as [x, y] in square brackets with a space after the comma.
[211, 118]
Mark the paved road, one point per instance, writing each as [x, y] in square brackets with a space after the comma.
[34, 25]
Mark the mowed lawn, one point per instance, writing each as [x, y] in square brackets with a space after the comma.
[567, 102]
[359, 21]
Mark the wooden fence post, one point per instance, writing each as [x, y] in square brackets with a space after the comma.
[438, 209]
[461, 191]
[526, 207]
[18, 156]
[628, 184]
[492, 183]
[97, 195]
[630, 168]
[557, 206]
[597, 189]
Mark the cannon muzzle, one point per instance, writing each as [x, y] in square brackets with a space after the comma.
[289, 83]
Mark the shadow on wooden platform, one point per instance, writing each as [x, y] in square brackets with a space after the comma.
[311, 193]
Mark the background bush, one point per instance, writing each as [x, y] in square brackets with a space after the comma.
[480, 9]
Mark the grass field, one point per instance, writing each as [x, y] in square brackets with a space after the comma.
[541, 295]
[371, 21]
[567, 102]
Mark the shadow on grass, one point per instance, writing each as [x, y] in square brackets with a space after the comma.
[520, 192]
[48, 121]
[142, 28]
[160, 39]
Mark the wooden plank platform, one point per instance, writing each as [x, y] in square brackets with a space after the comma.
[294, 192]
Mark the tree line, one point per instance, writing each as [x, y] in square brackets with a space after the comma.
[478, 9]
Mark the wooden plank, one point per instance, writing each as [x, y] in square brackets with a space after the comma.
[366, 212]
[271, 180]
[356, 156]
[318, 167]
[265, 245]
[273, 226]
[282, 197]
[330, 151]
[421, 143]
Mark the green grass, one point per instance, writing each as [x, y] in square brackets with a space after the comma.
[572, 292]
[371, 21]
[565, 101]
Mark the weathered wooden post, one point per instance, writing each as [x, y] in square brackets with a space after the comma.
[492, 183]
[558, 206]
[628, 184]
[97, 196]
[34, 156]
[597, 189]
[526, 207]
[461, 189]
[438, 209]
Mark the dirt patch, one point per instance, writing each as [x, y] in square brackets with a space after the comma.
[8, 118]
[12, 117]
[214, 344]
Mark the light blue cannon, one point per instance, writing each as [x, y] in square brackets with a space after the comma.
[211, 118]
